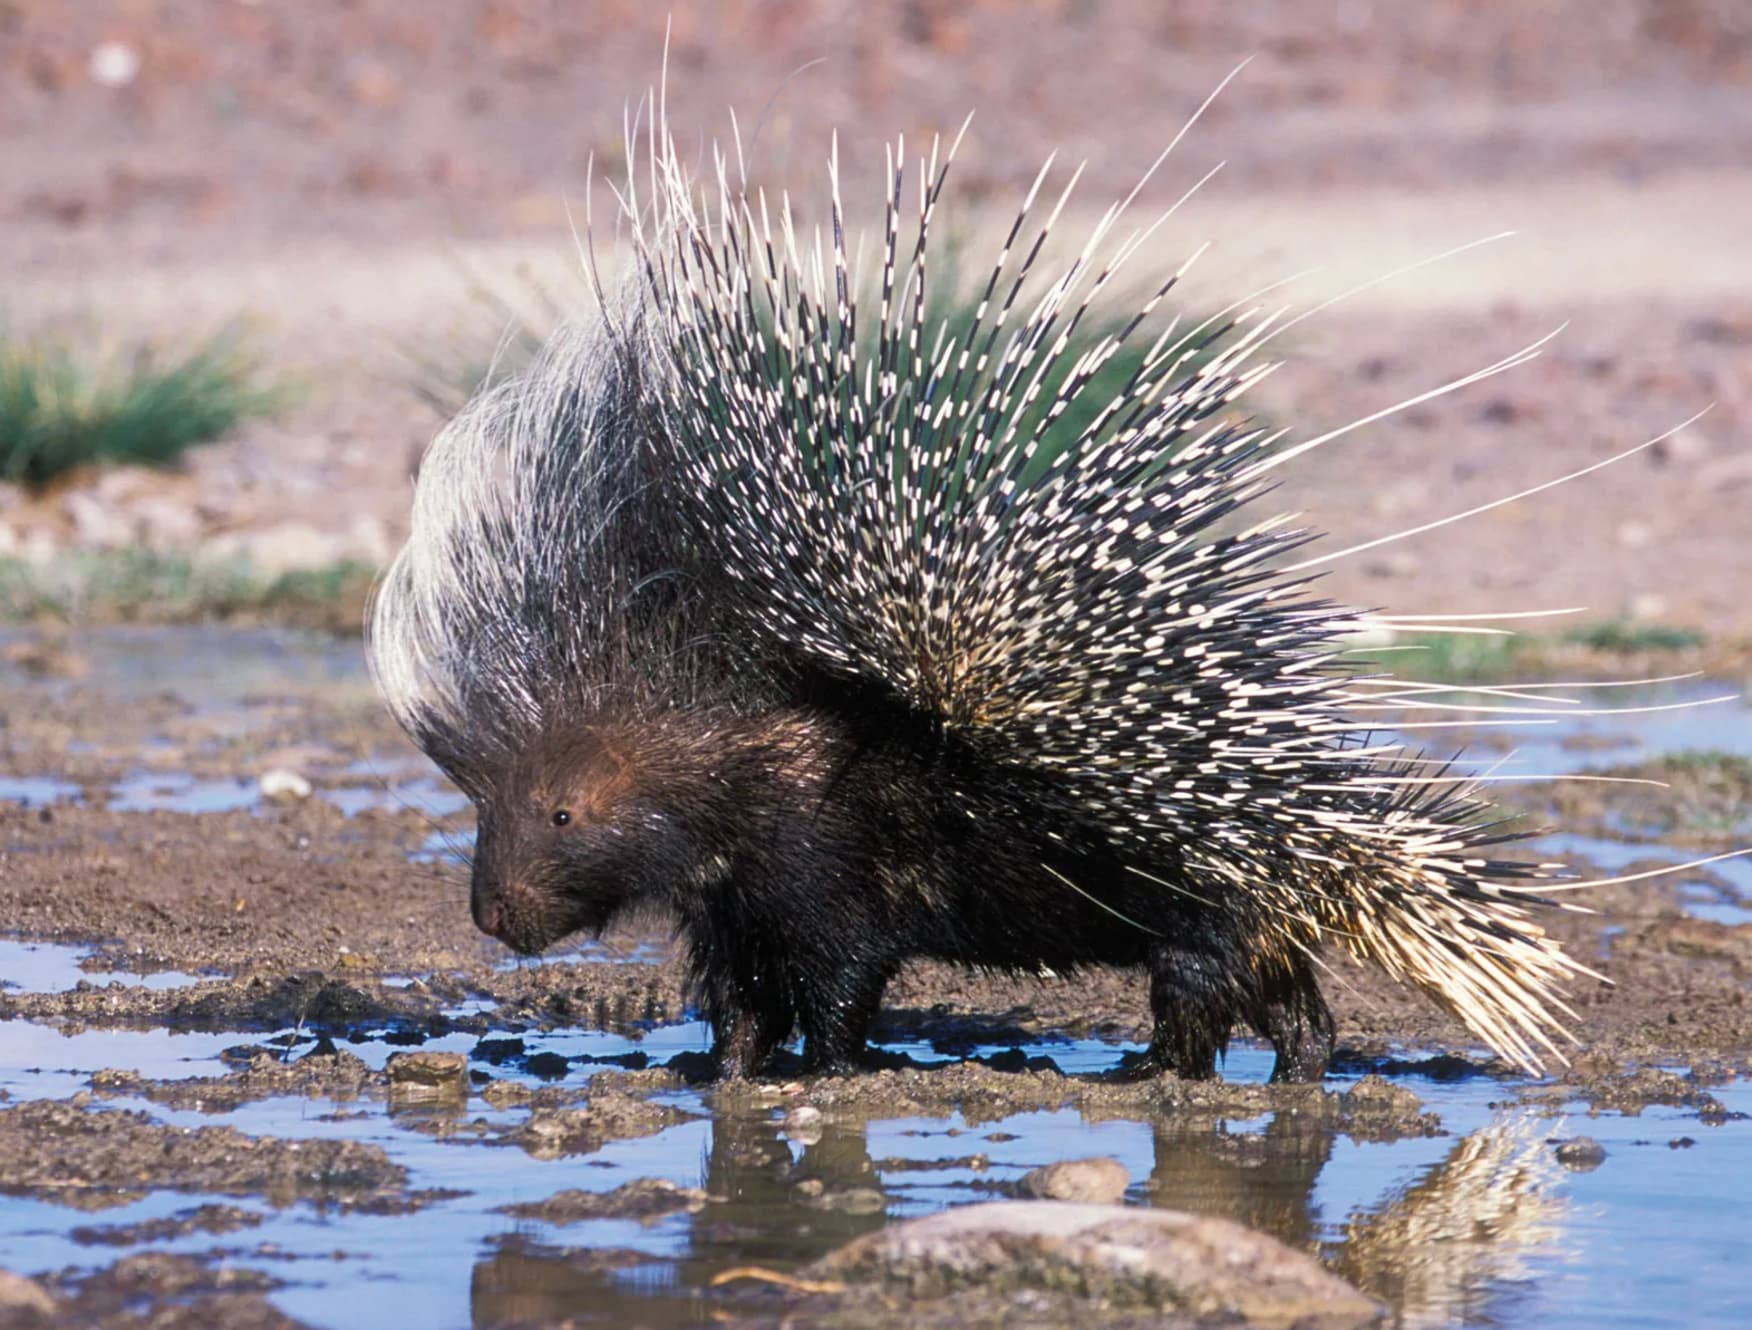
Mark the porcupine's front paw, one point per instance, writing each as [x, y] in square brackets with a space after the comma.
[1149, 1064]
[741, 1050]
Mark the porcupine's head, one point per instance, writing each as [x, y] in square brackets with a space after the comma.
[532, 630]
[572, 834]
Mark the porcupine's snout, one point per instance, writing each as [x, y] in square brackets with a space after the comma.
[523, 893]
[543, 872]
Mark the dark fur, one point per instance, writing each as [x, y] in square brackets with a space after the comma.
[807, 854]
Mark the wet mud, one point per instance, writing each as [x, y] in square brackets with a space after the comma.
[259, 1069]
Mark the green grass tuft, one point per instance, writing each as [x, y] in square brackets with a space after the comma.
[143, 586]
[1624, 637]
[1482, 658]
[60, 410]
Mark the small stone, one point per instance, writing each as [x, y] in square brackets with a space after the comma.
[1635, 534]
[851, 1201]
[1100, 1180]
[422, 1077]
[1647, 607]
[506, 1094]
[1198, 1266]
[1583, 1154]
[803, 1124]
[281, 783]
[274, 551]
[644, 1199]
[18, 1294]
[113, 64]
[95, 523]
[368, 541]
[165, 524]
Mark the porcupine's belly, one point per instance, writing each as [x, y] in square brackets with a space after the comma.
[1025, 918]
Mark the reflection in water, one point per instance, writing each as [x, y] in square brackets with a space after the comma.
[770, 1208]
[1456, 1246]
[1452, 1247]
[1264, 1179]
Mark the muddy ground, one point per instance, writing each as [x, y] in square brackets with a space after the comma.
[301, 935]
[293, 910]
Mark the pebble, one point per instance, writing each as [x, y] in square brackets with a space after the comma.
[96, 525]
[422, 1077]
[18, 1294]
[1583, 1154]
[803, 1124]
[282, 783]
[1100, 1180]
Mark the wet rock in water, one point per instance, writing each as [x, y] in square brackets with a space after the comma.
[20, 1295]
[803, 1124]
[200, 1219]
[644, 1199]
[427, 1078]
[845, 1201]
[171, 1291]
[1164, 1259]
[553, 1132]
[1583, 1154]
[506, 1094]
[262, 1075]
[88, 1158]
[1101, 1180]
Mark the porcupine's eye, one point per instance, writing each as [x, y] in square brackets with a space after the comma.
[562, 817]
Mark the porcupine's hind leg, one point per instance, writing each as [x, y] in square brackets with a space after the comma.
[838, 1013]
[1199, 994]
[1193, 1006]
[1290, 1012]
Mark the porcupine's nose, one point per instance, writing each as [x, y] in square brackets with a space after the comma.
[489, 913]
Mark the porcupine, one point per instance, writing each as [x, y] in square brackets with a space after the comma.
[737, 608]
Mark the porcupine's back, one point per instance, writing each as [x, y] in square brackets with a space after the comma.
[877, 507]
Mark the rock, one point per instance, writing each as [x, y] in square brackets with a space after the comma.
[18, 1294]
[281, 783]
[1583, 1154]
[113, 64]
[427, 1078]
[1101, 1180]
[644, 1199]
[39, 547]
[847, 1201]
[165, 524]
[95, 524]
[803, 1124]
[274, 551]
[368, 541]
[1166, 1259]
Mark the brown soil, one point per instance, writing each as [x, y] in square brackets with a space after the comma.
[343, 178]
[299, 915]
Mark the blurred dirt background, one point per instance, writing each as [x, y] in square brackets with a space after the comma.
[345, 177]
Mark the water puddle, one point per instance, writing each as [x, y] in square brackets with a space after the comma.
[1477, 1225]
[45, 967]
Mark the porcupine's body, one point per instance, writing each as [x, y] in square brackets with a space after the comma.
[730, 610]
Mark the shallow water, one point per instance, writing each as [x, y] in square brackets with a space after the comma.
[1480, 1226]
